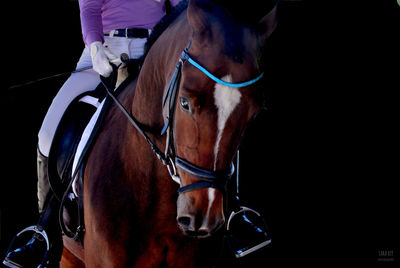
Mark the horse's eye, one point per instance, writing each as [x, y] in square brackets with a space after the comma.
[185, 105]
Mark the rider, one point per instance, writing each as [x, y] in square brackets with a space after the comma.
[109, 28]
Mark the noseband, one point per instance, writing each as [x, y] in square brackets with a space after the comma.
[206, 177]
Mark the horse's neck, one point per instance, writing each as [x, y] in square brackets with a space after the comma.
[158, 68]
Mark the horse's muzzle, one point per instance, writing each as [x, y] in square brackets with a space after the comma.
[199, 216]
[187, 224]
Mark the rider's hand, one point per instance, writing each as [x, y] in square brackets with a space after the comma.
[101, 58]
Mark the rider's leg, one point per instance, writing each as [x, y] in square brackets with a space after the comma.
[77, 84]
[32, 253]
[82, 82]
[43, 185]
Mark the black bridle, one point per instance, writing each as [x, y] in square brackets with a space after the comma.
[206, 177]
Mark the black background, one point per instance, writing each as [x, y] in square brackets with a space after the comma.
[320, 164]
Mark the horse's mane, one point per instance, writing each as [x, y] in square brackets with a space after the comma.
[232, 15]
[163, 24]
[249, 14]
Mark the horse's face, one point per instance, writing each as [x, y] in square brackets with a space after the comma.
[210, 118]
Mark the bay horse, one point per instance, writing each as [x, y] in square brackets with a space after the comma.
[194, 103]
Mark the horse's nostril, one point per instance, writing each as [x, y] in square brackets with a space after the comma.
[198, 234]
[184, 221]
[202, 233]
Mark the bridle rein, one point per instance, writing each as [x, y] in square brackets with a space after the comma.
[206, 177]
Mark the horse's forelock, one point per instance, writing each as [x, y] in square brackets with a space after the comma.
[247, 13]
[233, 16]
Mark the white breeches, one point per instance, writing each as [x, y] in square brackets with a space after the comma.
[81, 82]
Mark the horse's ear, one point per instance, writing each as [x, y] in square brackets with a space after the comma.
[197, 18]
[268, 23]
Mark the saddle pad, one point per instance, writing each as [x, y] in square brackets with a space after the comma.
[91, 131]
[87, 133]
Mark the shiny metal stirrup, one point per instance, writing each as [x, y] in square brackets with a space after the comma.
[242, 209]
[38, 230]
[262, 237]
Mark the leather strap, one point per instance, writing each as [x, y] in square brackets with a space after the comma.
[129, 33]
[200, 185]
[201, 173]
[208, 178]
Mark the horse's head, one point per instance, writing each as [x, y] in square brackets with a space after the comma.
[211, 116]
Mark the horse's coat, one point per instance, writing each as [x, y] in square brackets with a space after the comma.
[131, 206]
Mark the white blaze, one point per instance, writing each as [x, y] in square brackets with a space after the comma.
[211, 197]
[226, 99]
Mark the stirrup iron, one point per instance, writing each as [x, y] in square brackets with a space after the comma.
[38, 231]
[246, 228]
[247, 231]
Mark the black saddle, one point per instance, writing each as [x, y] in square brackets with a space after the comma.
[62, 154]
[67, 138]
[65, 144]
[72, 125]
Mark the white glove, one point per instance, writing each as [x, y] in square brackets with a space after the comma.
[101, 58]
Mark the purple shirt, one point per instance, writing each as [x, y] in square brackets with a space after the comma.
[100, 16]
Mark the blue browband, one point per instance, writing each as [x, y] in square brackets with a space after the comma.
[186, 56]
